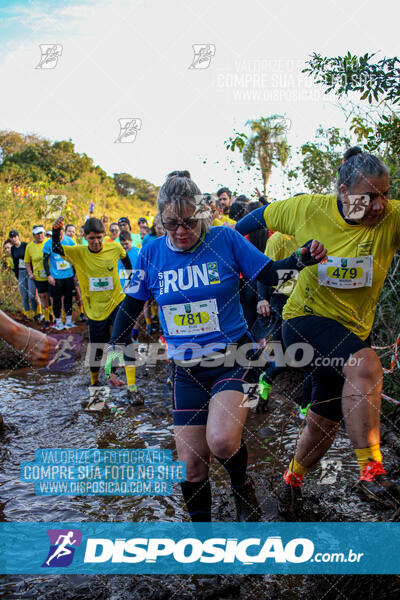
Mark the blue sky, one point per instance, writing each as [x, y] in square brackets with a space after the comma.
[131, 58]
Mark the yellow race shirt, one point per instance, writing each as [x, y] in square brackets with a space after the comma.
[225, 219]
[98, 278]
[347, 287]
[34, 255]
[280, 246]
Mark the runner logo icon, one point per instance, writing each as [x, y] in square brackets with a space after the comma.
[62, 547]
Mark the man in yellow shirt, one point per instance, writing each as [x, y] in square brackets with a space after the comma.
[96, 266]
[35, 268]
[330, 314]
[225, 199]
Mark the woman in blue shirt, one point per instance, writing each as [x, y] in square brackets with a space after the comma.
[193, 274]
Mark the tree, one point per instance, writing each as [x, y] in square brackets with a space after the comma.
[12, 142]
[265, 147]
[321, 160]
[133, 187]
[43, 161]
[378, 83]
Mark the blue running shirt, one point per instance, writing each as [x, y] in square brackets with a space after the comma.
[123, 275]
[198, 291]
[60, 268]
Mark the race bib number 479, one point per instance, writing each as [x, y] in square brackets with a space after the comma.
[346, 273]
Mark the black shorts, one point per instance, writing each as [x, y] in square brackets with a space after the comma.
[99, 335]
[42, 286]
[62, 287]
[195, 386]
[332, 345]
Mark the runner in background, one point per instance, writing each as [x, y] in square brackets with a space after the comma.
[96, 266]
[114, 232]
[26, 285]
[34, 264]
[60, 277]
[225, 200]
[125, 225]
[70, 231]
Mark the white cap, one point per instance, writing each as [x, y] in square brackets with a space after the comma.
[38, 229]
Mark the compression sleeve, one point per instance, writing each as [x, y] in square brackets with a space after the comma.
[264, 292]
[46, 264]
[278, 271]
[56, 243]
[127, 315]
[252, 222]
[126, 261]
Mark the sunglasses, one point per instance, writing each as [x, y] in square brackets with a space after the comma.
[173, 224]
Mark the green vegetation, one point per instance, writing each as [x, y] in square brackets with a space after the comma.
[32, 168]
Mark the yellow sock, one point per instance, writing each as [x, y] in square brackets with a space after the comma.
[366, 455]
[297, 468]
[153, 309]
[148, 321]
[39, 309]
[46, 314]
[94, 377]
[81, 309]
[63, 314]
[51, 314]
[130, 372]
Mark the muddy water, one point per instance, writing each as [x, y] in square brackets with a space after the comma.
[44, 410]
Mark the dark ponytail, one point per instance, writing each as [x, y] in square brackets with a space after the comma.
[356, 164]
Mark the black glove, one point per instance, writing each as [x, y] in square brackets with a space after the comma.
[303, 255]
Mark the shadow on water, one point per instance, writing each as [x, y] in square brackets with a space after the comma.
[44, 410]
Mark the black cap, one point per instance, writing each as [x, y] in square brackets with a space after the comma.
[124, 220]
[142, 220]
[13, 233]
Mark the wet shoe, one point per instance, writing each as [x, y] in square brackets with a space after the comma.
[69, 324]
[247, 506]
[46, 324]
[289, 494]
[133, 397]
[374, 485]
[38, 318]
[264, 390]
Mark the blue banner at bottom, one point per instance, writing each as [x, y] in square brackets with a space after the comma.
[204, 548]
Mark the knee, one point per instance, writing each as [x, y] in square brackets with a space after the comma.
[363, 365]
[196, 469]
[318, 426]
[222, 446]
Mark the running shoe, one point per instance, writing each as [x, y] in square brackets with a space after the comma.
[289, 494]
[38, 318]
[69, 324]
[374, 485]
[264, 390]
[133, 397]
[57, 326]
[46, 324]
[247, 506]
[82, 318]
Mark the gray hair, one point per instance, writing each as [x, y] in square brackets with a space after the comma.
[181, 191]
[356, 164]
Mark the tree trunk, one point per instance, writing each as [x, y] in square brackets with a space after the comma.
[266, 175]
